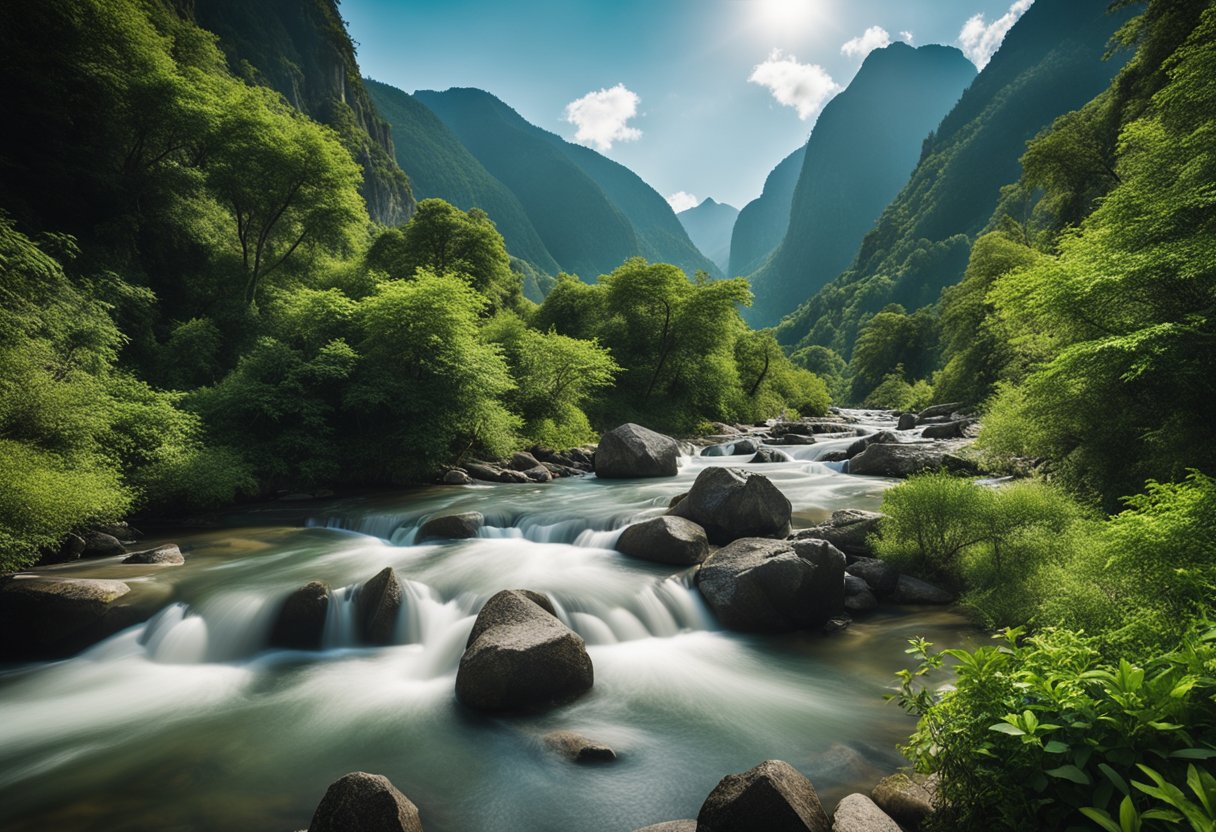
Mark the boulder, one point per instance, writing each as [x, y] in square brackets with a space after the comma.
[666, 539]
[484, 472]
[122, 530]
[538, 474]
[671, 826]
[849, 530]
[834, 456]
[914, 591]
[168, 554]
[520, 657]
[377, 606]
[634, 451]
[857, 813]
[70, 548]
[864, 601]
[938, 410]
[578, 749]
[674, 501]
[741, 446]
[522, 461]
[773, 797]
[882, 437]
[798, 439]
[508, 475]
[907, 802]
[451, 527]
[904, 460]
[51, 618]
[754, 584]
[102, 545]
[730, 503]
[558, 470]
[300, 622]
[457, 476]
[907, 421]
[362, 802]
[946, 430]
[882, 577]
[769, 455]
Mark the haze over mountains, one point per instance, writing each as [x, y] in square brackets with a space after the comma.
[709, 226]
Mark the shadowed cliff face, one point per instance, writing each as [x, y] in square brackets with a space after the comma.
[301, 49]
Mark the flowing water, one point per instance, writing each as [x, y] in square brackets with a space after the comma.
[190, 722]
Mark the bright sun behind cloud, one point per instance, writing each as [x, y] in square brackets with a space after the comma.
[778, 17]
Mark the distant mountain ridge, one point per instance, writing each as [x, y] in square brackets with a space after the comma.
[762, 223]
[709, 226]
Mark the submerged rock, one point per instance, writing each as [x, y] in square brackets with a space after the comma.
[362, 802]
[520, 657]
[907, 421]
[666, 539]
[634, 451]
[773, 796]
[300, 622]
[857, 813]
[578, 749]
[451, 526]
[770, 455]
[730, 503]
[168, 554]
[377, 607]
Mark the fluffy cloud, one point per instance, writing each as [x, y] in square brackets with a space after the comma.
[873, 38]
[805, 87]
[979, 40]
[906, 37]
[682, 201]
[602, 117]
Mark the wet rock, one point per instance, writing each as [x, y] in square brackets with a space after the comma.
[756, 584]
[562, 470]
[168, 554]
[667, 539]
[914, 591]
[50, 618]
[634, 451]
[769, 455]
[834, 456]
[882, 577]
[482, 471]
[836, 624]
[882, 437]
[670, 826]
[674, 501]
[907, 421]
[452, 526]
[938, 410]
[849, 530]
[122, 530]
[578, 749]
[521, 461]
[362, 802]
[864, 601]
[538, 474]
[730, 503]
[300, 622]
[857, 813]
[946, 430]
[904, 460]
[508, 475]
[457, 476]
[102, 545]
[907, 802]
[70, 549]
[377, 606]
[520, 657]
[741, 446]
[798, 439]
[773, 797]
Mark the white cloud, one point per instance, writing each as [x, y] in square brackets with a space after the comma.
[602, 117]
[873, 38]
[906, 37]
[980, 40]
[805, 87]
[682, 201]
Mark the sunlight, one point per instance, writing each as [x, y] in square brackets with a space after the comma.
[776, 17]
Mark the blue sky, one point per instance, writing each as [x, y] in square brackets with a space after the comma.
[662, 86]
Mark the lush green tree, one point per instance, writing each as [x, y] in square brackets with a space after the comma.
[889, 339]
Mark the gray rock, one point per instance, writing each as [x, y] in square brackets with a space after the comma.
[769, 455]
[882, 577]
[634, 451]
[755, 584]
[70, 548]
[857, 813]
[854, 585]
[904, 460]
[538, 474]
[362, 802]
[907, 421]
[483, 472]
[667, 539]
[300, 622]
[938, 410]
[773, 797]
[864, 601]
[946, 430]
[907, 802]
[914, 591]
[670, 826]
[730, 503]
[520, 657]
[51, 618]
[122, 530]
[456, 476]
[102, 545]
[798, 439]
[451, 527]
[168, 554]
[834, 456]
[377, 606]
[578, 749]
[849, 530]
[741, 446]
[882, 437]
[522, 461]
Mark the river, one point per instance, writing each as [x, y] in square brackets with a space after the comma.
[189, 722]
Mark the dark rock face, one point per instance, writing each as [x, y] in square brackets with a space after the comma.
[769, 455]
[451, 527]
[301, 620]
[520, 657]
[857, 813]
[946, 430]
[773, 797]
[907, 459]
[730, 503]
[864, 601]
[755, 584]
[43, 618]
[102, 545]
[377, 607]
[666, 539]
[168, 554]
[522, 461]
[362, 802]
[914, 591]
[456, 476]
[882, 577]
[882, 437]
[849, 531]
[907, 802]
[71, 548]
[938, 410]
[578, 749]
[907, 421]
[798, 439]
[742, 446]
[634, 451]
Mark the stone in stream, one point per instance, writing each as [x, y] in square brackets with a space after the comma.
[523, 461]
[451, 527]
[168, 554]
[938, 410]
[798, 439]
[849, 530]
[907, 421]
[102, 545]
[730, 503]
[457, 476]
[300, 622]
[362, 802]
[947, 430]
[756, 584]
[906, 801]
[69, 549]
[857, 813]
[773, 797]
[578, 749]
[904, 460]
[742, 446]
[882, 437]
[882, 577]
[671, 540]
[766, 455]
[634, 451]
[377, 606]
[520, 657]
[51, 618]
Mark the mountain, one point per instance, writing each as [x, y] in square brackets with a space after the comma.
[590, 212]
[440, 166]
[864, 145]
[301, 49]
[1050, 63]
[709, 226]
[762, 223]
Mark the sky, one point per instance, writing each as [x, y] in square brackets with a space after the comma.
[701, 98]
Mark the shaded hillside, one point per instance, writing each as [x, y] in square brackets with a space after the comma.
[859, 155]
[761, 224]
[709, 226]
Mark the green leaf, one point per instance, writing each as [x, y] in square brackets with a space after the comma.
[1070, 772]
[1006, 728]
[1101, 818]
[1055, 747]
[1129, 819]
[1115, 778]
[1194, 754]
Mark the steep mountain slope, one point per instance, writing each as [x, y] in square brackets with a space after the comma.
[709, 226]
[302, 49]
[440, 166]
[761, 224]
[860, 153]
[1050, 63]
[590, 212]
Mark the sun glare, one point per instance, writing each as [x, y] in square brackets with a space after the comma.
[776, 17]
